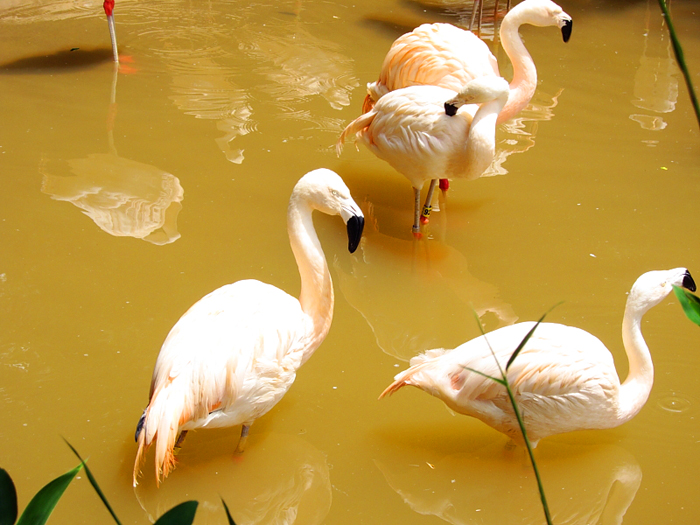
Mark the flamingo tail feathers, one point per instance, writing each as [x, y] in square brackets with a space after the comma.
[160, 423]
[413, 376]
[353, 128]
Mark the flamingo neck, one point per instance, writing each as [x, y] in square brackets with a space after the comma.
[635, 390]
[524, 82]
[481, 143]
[316, 296]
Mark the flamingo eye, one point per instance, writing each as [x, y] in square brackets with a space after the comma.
[335, 193]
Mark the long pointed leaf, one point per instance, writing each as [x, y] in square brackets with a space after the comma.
[690, 304]
[182, 514]
[8, 499]
[497, 380]
[228, 514]
[94, 484]
[42, 504]
[527, 337]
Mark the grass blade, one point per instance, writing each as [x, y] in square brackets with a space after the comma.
[8, 499]
[499, 381]
[182, 514]
[228, 514]
[527, 337]
[678, 51]
[690, 304]
[42, 504]
[94, 484]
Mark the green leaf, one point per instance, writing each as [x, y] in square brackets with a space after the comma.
[527, 337]
[690, 304]
[43, 503]
[228, 514]
[94, 484]
[8, 499]
[182, 514]
[497, 380]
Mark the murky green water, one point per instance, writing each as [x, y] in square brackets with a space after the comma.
[128, 197]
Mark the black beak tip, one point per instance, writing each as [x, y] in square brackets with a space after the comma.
[566, 30]
[450, 109]
[688, 282]
[355, 226]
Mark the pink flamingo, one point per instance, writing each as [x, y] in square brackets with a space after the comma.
[447, 56]
[564, 378]
[422, 132]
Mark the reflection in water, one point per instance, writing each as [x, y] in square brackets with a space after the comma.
[122, 196]
[295, 66]
[280, 480]
[655, 82]
[298, 64]
[202, 88]
[494, 485]
[429, 275]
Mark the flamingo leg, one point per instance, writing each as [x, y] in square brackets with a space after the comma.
[416, 211]
[242, 441]
[179, 442]
[427, 208]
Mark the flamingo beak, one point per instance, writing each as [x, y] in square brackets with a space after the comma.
[688, 282]
[566, 29]
[355, 222]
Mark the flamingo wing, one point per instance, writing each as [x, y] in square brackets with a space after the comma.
[436, 55]
[411, 132]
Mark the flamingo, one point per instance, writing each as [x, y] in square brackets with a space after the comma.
[423, 134]
[564, 379]
[108, 6]
[447, 56]
[234, 354]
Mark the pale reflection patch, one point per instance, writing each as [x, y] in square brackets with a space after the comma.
[280, 479]
[125, 198]
[407, 290]
[656, 79]
[495, 485]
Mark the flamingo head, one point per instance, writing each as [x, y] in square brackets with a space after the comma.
[477, 91]
[653, 287]
[323, 189]
[542, 13]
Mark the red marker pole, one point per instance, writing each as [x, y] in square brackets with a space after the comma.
[109, 9]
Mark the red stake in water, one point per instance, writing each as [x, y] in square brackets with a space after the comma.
[109, 8]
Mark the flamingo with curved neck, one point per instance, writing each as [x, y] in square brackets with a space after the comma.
[564, 378]
[427, 133]
[234, 354]
[447, 56]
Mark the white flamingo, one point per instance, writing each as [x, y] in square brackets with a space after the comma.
[447, 56]
[234, 354]
[423, 134]
[564, 378]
